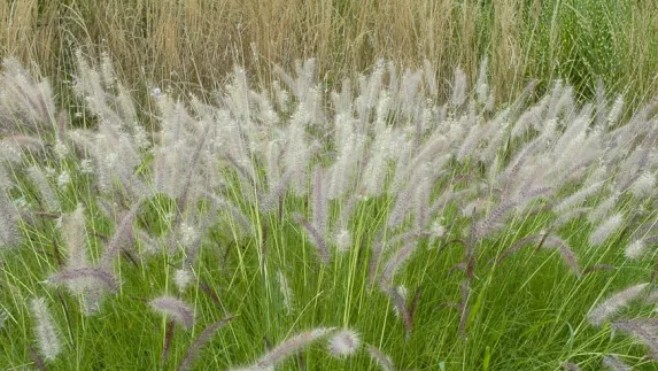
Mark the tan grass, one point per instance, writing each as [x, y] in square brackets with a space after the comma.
[196, 42]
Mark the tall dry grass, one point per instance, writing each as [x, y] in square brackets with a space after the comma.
[196, 42]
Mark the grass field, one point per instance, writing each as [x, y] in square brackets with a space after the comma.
[195, 43]
[446, 185]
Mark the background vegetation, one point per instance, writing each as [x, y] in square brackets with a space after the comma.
[195, 43]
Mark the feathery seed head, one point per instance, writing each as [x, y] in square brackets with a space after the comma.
[644, 185]
[383, 360]
[188, 234]
[344, 343]
[606, 229]
[286, 292]
[292, 346]
[437, 230]
[47, 334]
[458, 88]
[182, 279]
[614, 303]
[613, 363]
[615, 111]
[402, 291]
[61, 150]
[175, 308]
[635, 249]
[63, 179]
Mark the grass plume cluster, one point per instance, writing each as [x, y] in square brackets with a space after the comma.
[397, 229]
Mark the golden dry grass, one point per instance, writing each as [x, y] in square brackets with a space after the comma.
[195, 42]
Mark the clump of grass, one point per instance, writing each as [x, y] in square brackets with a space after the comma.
[375, 208]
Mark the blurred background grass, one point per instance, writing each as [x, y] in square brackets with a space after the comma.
[194, 43]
